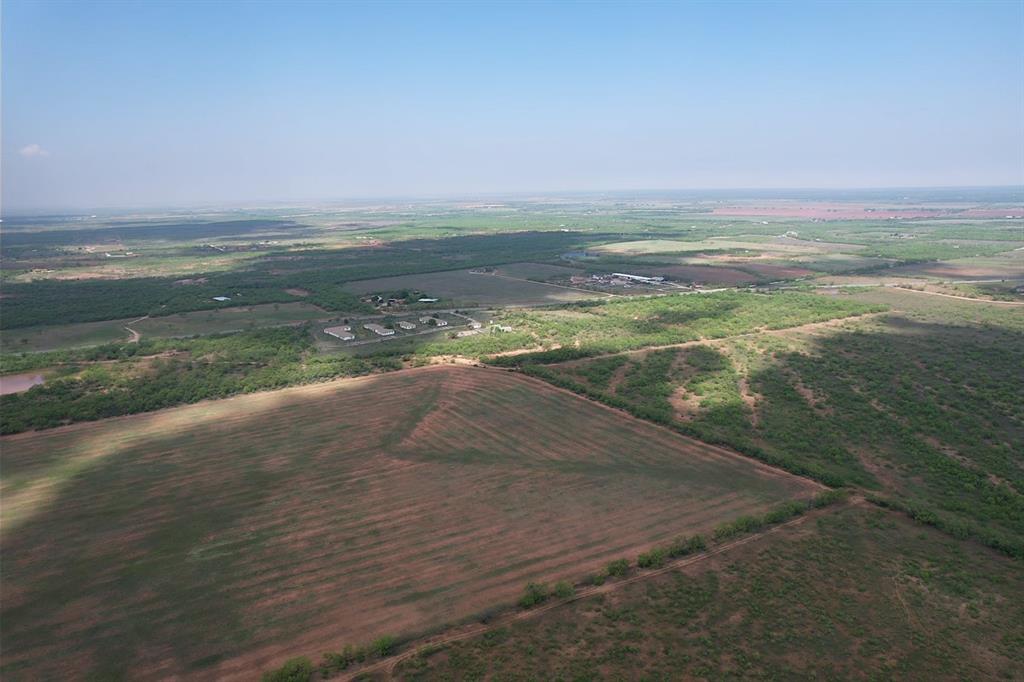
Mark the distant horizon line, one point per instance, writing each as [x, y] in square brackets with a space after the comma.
[735, 192]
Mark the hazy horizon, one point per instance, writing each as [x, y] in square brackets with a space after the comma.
[111, 105]
[994, 194]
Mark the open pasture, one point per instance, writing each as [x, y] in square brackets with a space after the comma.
[760, 244]
[1008, 265]
[215, 540]
[709, 275]
[62, 336]
[465, 288]
[536, 271]
[228, 319]
[84, 334]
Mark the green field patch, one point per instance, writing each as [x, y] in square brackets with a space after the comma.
[61, 336]
[231, 319]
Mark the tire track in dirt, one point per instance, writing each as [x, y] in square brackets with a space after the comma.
[388, 665]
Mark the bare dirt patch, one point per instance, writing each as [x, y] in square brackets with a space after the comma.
[17, 383]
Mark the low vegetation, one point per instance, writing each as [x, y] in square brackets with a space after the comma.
[923, 414]
[583, 329]
[857, 592]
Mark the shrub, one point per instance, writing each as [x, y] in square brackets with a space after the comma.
[653, 558]
[338, 661]
[384, 646]
[828, 497]
[294, 670]
[696, 544]
[563, 590]
[534, 594]
[783, 512]
[738, 526]
[617, 568]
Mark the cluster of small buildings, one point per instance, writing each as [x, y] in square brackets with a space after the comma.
[345, 333]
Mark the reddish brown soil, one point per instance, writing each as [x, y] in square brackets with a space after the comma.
[333, 514]
[957, 270]
[776, 271]
[16, 383]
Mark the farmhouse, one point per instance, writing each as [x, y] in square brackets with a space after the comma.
[342, 333]
[379, 330]
[407, 325]
[434, 321]
[466, 332]
[427, 300]
[221, 298]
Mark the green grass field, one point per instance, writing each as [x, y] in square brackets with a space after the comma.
[84, 334]
[62, 336]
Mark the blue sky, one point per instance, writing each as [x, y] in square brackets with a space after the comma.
[159, 104]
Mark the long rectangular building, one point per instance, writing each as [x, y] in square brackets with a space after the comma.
[379, 330]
